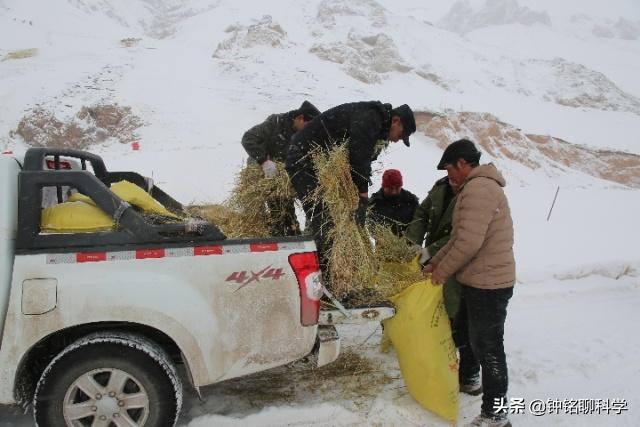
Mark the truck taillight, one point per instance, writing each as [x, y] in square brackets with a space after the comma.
[307, 270]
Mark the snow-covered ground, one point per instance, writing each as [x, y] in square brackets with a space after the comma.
[202, 72]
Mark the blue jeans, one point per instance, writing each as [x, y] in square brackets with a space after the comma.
[480, 329]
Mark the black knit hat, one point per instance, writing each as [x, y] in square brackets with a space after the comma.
[407, 119]
[308, 110]
[461, 149]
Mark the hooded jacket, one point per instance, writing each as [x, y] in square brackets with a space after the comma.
[480, 250]
[270, 139]
[359, 124]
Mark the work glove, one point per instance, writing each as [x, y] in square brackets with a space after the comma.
[424, 256]
[269, 168]
[360, 215]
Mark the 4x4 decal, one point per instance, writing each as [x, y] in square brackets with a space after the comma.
[245, 277]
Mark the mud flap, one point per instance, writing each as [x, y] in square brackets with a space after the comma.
[327, 348]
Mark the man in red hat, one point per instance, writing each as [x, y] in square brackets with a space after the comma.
[392, 205]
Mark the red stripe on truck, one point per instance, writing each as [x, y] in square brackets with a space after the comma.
[263, 247]
[91, 256]
[80, 257]
[149, 253]
[207, 250]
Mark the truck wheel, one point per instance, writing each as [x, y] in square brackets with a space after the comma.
[109, 379]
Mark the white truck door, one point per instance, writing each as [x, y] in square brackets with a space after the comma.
[9, 170]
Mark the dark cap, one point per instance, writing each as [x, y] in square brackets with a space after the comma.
[461, 149]
[308, 110]
[407, 119]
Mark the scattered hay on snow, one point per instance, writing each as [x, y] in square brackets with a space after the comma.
[130, 42]
[20, 54]
[350, 376]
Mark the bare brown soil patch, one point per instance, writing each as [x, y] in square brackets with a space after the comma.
[91, 125]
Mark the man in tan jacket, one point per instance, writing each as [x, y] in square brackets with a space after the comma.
[480, 255]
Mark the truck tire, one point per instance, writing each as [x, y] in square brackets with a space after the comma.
[109, 379]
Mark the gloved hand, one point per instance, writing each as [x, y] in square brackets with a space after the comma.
[360, 215]
[269, 168]
[423, 254]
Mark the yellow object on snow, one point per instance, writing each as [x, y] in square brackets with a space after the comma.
[421, 335]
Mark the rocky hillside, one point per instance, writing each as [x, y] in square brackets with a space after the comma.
[502, 141]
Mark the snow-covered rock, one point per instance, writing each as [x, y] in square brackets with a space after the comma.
[330, 11]
[365, 58]
[463, 17]
[263, 33]
[622, 28]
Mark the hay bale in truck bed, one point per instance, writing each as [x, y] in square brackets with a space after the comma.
[245, 213]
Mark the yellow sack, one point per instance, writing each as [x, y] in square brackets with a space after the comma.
[421, 334]
[132, 194]
[80, 214]
[135, 195]
[79, 197]
[75, 217]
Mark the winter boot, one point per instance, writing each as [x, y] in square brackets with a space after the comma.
[471, 386]
[496, 420]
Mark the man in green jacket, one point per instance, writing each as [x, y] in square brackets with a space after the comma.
[431, 226]
[267, 143]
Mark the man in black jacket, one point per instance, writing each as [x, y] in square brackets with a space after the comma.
[361, 125]
[392, 205]
[267, 143]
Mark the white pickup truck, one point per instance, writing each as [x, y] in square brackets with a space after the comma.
[93, 324]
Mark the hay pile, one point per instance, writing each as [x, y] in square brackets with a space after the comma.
[365, 265]
[350, 256]
[362, 268]
[252, 210]
[395, 256]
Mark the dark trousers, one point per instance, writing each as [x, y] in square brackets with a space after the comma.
[480, 333]
[319, 221]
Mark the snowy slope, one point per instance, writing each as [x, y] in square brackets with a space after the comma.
[199, 73]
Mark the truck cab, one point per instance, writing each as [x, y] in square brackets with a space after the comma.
[93, 324]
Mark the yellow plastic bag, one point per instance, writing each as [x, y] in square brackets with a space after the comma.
[135, 195]
[79, 197]
[80, 214]
[132, 194]
[74, 217]
[421, 335]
